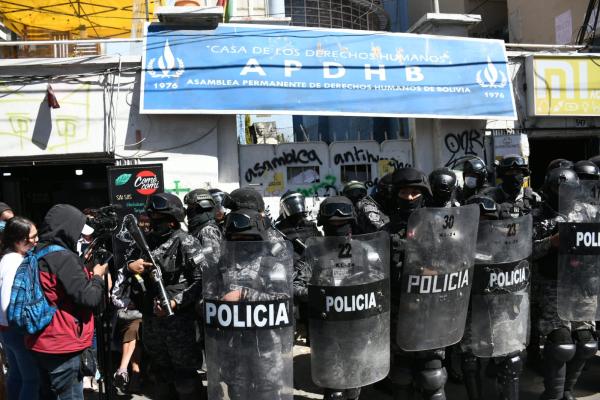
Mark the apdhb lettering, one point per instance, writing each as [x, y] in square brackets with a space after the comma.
[424, 284]
[247, 315]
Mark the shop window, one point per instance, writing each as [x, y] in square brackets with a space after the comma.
[303, 175]
[358, 172]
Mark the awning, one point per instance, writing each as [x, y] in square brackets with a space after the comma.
[86, 19]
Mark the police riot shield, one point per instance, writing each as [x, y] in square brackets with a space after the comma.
[349, 309]
[436, 277]
[248, 317]
[578, 274]
[499, 320]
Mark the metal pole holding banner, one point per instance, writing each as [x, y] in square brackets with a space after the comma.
[436, 6]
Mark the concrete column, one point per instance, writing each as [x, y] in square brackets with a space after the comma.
[227, 150]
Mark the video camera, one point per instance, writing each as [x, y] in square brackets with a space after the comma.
[104, 220]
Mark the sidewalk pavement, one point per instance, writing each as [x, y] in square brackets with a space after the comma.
[588, 387]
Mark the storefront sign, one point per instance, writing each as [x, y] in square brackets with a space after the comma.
[238, 69]
[563, 85]
[129, 186]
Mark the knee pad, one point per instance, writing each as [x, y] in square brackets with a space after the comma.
[433, 380]
[586, 344]
[559, 346]
[469, 363]
[511, 365]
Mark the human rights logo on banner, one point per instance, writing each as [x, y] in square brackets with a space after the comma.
[239, 69]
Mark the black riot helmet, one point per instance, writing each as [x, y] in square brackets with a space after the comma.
[336, 215]
[442, 182]
[556, 177]
[487, 206]
[559, 163]
[595, 160]
[199, 198]
[247, 217]
[587, 170]
[165, 203]
[354, 190]
[410, 177]
[475, 166]
[512, 162]
[292, 203]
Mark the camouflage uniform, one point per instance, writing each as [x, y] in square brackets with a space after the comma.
[369, 218]
[252, 362]
[171, 341]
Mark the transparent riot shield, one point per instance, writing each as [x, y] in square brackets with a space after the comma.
[436, 277]
[248, 316]
[499, 321]
[349, 306]
[578, 277]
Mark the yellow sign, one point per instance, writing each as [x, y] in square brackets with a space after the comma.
[563, 85]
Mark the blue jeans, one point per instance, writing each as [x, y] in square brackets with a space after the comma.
[23, 381]
[60, 376]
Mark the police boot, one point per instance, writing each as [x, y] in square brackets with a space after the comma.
[558, 349]
[470, 369]
[432, 379]
[509, 370]
[333, 394]
[586, 347]
[352, 394]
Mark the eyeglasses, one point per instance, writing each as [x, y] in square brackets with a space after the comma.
[341, 209]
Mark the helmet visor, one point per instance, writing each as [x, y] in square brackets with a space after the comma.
[237, 222]
[512, 162]
[157, 203]
[293, 205]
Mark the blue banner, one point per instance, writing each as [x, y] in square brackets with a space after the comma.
[245, 69]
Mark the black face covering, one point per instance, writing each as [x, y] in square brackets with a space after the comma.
[512, 183]
[198, 217]
[404, 204]
[161, 227]
[441, 197]
[338, 230]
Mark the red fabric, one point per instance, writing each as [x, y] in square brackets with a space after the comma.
[71, 328]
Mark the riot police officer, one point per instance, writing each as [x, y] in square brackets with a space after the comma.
[513, 169]
[338, 218]
[248, 307]
[383, 193]
[410, 187]
[293, 222]
[595, 160]
[219, 197]
[368, 216]
[498, 323]
[200, 214]
[297, 229]
[568, 344]
[443, 188]
[474, 177]
[587, 170]
[171, 341]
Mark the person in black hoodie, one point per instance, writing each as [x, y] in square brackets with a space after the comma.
[76, 291]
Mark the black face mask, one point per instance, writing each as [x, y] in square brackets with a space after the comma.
[512, 183]
[161, 227]
[442, 197]
[337, 230]
[404, 204]
[198, 217]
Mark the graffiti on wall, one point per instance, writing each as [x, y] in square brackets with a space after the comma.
[292, 157]
[467, 142]
[357, 155]
[321, 189]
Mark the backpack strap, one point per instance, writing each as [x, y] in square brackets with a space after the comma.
[47, 250]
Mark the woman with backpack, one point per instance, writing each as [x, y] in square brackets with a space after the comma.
[20, 236]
